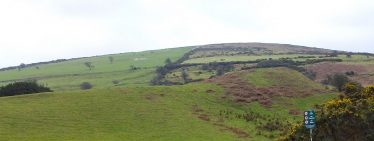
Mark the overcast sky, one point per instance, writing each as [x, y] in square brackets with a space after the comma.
[43, 30]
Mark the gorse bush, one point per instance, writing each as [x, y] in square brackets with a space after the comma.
[348, 118]
[20, 88]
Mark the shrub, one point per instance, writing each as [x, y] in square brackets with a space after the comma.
[339, 80]
[275, 63]
[115, 82]
[350, 73]
[220, 71]
[20, 88]
[348, 118]
[185, 76]
[313, 61]
[134, 68]
[86, 86]
[351, 89]
[310, 74]
[89, 65]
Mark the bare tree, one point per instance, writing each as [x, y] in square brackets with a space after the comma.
[89, 65]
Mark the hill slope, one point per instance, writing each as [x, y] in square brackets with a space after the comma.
[197, 111]
[265, 84]
[138, 68]
[69, 74]
[246, 103]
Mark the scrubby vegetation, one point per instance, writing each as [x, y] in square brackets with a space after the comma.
[338, 80]
[20, 88]
[349, 118]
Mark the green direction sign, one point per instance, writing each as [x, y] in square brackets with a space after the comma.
[310, 119]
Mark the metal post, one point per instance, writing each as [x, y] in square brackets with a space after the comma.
[311, 132]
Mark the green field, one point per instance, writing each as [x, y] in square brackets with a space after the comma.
[133, 110]
[354, 58]
[134, 113]
[68, 75]
[242, 58]
[282, 77]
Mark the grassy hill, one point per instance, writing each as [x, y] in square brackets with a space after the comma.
[189, 112]
[282, 77]
[246, 103]
[69, 74]
[265, 85]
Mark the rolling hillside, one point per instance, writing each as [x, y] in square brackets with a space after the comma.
[69, 74]
[189, 112]
[213, 92]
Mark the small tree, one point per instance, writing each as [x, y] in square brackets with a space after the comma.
[89, 65]
[184, 76]
[220, 71]
[157, 80]
[161, 70]
[349, 55]
[168, 61]
[334, 54]
[133, 68]
[111, 59]
[21, 66]
[339, 80]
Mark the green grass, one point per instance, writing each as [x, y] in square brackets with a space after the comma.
[68, 75]
[115, 114]
[355, 58]
[283, 104]
[266, 77]
[242, 58]
[132, 110]
[194, 73]
[132, 113]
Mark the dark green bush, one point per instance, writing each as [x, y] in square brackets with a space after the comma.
[20, 88]
[115, 82]
[338, 80]
[275, 63]
[86, 86]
